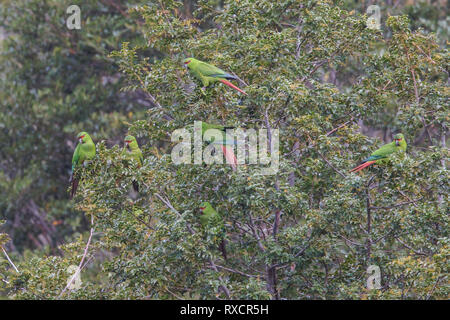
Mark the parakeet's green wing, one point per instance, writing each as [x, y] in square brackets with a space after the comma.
[141, 157]
[373, 158]
[212, 71]
[382, 152]
[76, 156]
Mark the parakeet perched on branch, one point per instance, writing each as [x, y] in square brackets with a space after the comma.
[131, 151]
[379, 156]
[226, 145]
[208, 73]
[85, 150]
[210, 218]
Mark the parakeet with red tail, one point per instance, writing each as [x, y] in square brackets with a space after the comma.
[379, 156]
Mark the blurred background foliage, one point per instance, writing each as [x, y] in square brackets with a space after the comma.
[56, 83]
[334, 88]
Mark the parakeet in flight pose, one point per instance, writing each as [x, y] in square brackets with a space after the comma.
[208, 73]
[226, 145]
[131, 151]
[85, 150]
[210, 218]
[379, 156]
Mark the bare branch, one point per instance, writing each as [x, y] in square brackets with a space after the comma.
[408, 247]
[176, 296]
[82, 259]
[331, 166]
[237, 271]
[169, 205]
[7, 257]
[396, 205]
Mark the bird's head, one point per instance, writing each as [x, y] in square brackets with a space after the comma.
[204, 206]
[82, 137]
[187, 61]
[130, 141]
[398, 138]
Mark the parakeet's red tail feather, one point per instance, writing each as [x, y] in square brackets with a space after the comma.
[74, 187]
[229, 155]
[222, 249]
[228, 83]
[362, 166]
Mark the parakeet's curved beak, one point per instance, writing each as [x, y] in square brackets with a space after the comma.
[127, 141]
[202, 208]
[81, 139]
[397, 142]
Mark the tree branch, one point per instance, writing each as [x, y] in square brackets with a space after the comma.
[82, 259]
[408, 247]
[211, 262]
[237, 271]
[10, 261]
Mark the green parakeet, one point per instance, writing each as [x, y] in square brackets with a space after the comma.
[210, 218]
[225, 144]
[85, 150]
[131, 151]
[208, 73]
[379, 156]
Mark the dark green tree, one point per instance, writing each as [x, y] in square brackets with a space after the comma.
[55, 83]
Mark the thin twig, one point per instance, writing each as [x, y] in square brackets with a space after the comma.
[434, 288]
[237, 271]
[169, 205]
[239, 79]
[403, 194]
[396, 205]
[255, 233]
[82, 259]
[408, 247]
[351, 241]
[416, 93]
[331, 166]
[369, 219]
[7, 257]
[222, 286]
[299, 28]
[176, 296]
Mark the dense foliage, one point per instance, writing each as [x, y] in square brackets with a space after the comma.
[312, 69]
